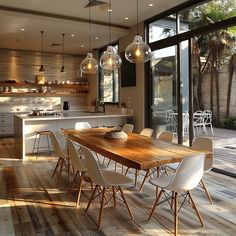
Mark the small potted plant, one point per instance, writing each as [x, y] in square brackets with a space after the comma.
[123, 108]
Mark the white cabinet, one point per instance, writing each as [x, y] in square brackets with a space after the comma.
[6, 124]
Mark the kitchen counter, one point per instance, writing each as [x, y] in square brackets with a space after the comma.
[25, 126]
[72, 115]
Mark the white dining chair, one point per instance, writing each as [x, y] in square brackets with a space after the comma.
[63, 160]
[79, 166]
[103, 181]
[187, 177]
[204, 144]
[147, 132]
[164, 136]
[82, 125]
[128, 128]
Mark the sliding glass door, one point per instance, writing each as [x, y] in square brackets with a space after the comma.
[163, 107]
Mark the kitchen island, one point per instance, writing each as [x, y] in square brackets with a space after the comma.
[25, 126]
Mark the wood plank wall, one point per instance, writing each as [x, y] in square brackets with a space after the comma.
[22, 65]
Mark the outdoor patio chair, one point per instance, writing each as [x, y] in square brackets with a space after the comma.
[207, 120]
[198, 122]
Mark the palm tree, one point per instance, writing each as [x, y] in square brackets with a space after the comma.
[214, 45]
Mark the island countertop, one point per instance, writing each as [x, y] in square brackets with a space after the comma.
[72, 115]
[25, 126]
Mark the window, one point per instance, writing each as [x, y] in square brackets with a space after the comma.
[109, 82]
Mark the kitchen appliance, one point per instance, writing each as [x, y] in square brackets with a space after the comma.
[66, 105]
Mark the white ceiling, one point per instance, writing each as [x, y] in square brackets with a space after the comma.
[13, 20]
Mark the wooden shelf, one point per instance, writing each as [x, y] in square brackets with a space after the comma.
[69, 86]
[69, 90]
[42, 94]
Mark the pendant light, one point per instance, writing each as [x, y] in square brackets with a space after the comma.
[63, 53]
[89, 65]
[41, 69]
[138, 51]
[110, 60]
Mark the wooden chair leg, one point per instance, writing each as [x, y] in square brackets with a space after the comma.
[126, 203]
[80, 188]
[136, 177]
[58, 163]
[72, 183]
[114, 195]
[206, 191]
[176, 214]
[91, 198]
[195, 208]
[144, 179]
[101, 208]
[126, 170]
[59, 176]
[155, 204]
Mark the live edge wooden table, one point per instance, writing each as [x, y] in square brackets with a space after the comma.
[138, 152]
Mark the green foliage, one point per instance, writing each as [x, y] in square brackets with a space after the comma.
[229, 123]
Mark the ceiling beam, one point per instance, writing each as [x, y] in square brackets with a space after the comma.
[58, 16]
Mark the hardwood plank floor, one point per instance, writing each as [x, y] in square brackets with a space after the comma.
[30, 204]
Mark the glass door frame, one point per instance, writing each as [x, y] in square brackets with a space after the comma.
[176, 41]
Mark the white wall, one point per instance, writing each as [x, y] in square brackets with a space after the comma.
[135, 93]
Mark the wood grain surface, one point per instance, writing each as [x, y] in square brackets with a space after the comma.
[137, 151]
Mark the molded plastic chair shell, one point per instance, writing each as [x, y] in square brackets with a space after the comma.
[166, 136]
[56, 146]
[78, 163]
[147, 132]
[82, 125]
[206, 144]
[188, 174]
[128, 128]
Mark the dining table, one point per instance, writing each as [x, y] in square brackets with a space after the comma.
[135, 151]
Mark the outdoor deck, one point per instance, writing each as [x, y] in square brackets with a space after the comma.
[224, 142]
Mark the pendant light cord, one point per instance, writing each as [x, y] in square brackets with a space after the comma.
[89, 29]
[137, 20]
[41, 53]
[109, 20]
[63, 48]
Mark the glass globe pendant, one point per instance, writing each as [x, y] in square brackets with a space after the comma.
[89, 64]
[110, 60]
[138, 51]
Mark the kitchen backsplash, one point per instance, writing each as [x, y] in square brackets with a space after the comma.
[26, 104]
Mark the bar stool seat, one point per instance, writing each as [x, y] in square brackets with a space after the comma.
[37, 147]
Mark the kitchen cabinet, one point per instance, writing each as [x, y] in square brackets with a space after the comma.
[34, 89]
[6, 124]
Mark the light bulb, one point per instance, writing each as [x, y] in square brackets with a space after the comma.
[110, 60]
[138, 51]
[89, 65]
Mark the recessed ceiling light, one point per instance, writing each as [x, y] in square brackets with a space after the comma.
[150, 4]
[126, 18]
[96, 38]
[72, 35]
[22, 29]
[82, 46]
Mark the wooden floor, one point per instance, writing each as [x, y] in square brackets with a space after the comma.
[30, 204]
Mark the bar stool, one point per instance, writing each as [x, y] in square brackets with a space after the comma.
[37, 147]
